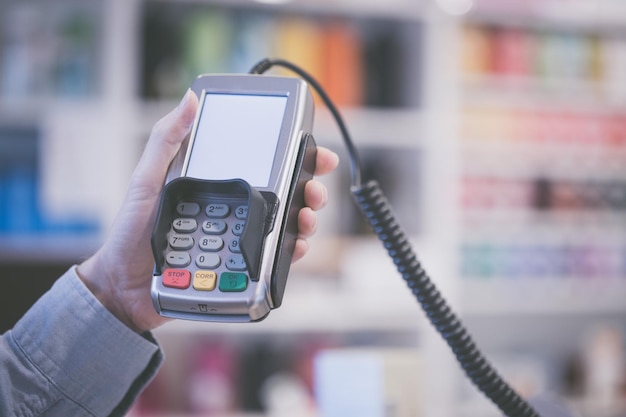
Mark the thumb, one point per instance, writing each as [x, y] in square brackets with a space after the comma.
[165, 140]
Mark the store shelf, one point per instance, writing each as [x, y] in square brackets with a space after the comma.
[50, 51]
[50, 247]
[576, 15]
[542, 153]
[530, 92]
[535, 297]
[361, 59]
[541, 168]
[399, 9]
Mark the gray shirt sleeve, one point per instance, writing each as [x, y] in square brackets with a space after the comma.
[69, 356]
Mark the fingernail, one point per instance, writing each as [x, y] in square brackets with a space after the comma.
[324, 192]
[187, 116]
[335, 158]
[185, 99]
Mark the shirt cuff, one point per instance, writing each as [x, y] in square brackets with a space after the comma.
[85, 351]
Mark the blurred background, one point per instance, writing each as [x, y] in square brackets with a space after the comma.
[497, 129]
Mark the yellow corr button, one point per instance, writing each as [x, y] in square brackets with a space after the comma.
[204, 280]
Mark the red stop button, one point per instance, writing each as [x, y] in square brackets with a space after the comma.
[176, 278]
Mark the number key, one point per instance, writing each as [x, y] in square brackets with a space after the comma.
[214, 227]
[238, 228]
[182, 225]
[241, 212]
[181, 241]
[211, 243]
[188, 209]
[208, 260]
[217, 210]
[234, 246]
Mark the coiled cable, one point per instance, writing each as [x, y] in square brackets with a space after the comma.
[382, 220]
[379, 214]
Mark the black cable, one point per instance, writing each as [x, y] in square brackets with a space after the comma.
[377, 210]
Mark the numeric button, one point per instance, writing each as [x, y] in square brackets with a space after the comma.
[216, 210]
[211, 243]
[188, 209]
[241, 212]
[208, 260]
[183, 225]
[181, 242]
[234, 246]
[214, 227]
[238, 228]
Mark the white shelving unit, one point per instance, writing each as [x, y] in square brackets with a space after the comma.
[541, 272]
[516, 137]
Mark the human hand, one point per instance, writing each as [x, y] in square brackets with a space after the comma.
[120, 272]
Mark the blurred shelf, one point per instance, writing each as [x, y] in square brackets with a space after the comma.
[510, 162]
[604, 16]
[536, 297]
[398, 9]
[24, 110]
[47, 248]
[37, 111]
[539, 93]
[525, 224]
[542, 230]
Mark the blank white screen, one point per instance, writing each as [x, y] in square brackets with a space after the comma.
[236, 137]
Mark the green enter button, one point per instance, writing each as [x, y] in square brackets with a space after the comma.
[233, 282]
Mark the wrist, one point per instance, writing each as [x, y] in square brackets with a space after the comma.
[98, 283]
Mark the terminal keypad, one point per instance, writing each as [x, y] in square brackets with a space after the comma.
[203, 250]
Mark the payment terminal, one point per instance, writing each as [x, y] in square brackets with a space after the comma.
[227, 221]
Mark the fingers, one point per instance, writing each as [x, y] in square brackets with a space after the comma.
[307, 226]
[315, 198]
[315, 195]
[301, 248]
[326, 161]
[307, 222]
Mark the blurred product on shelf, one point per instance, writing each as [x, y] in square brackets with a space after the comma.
[368, 382]
[519, 56]
[22, 211]
[49, 52]
[359, 61]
